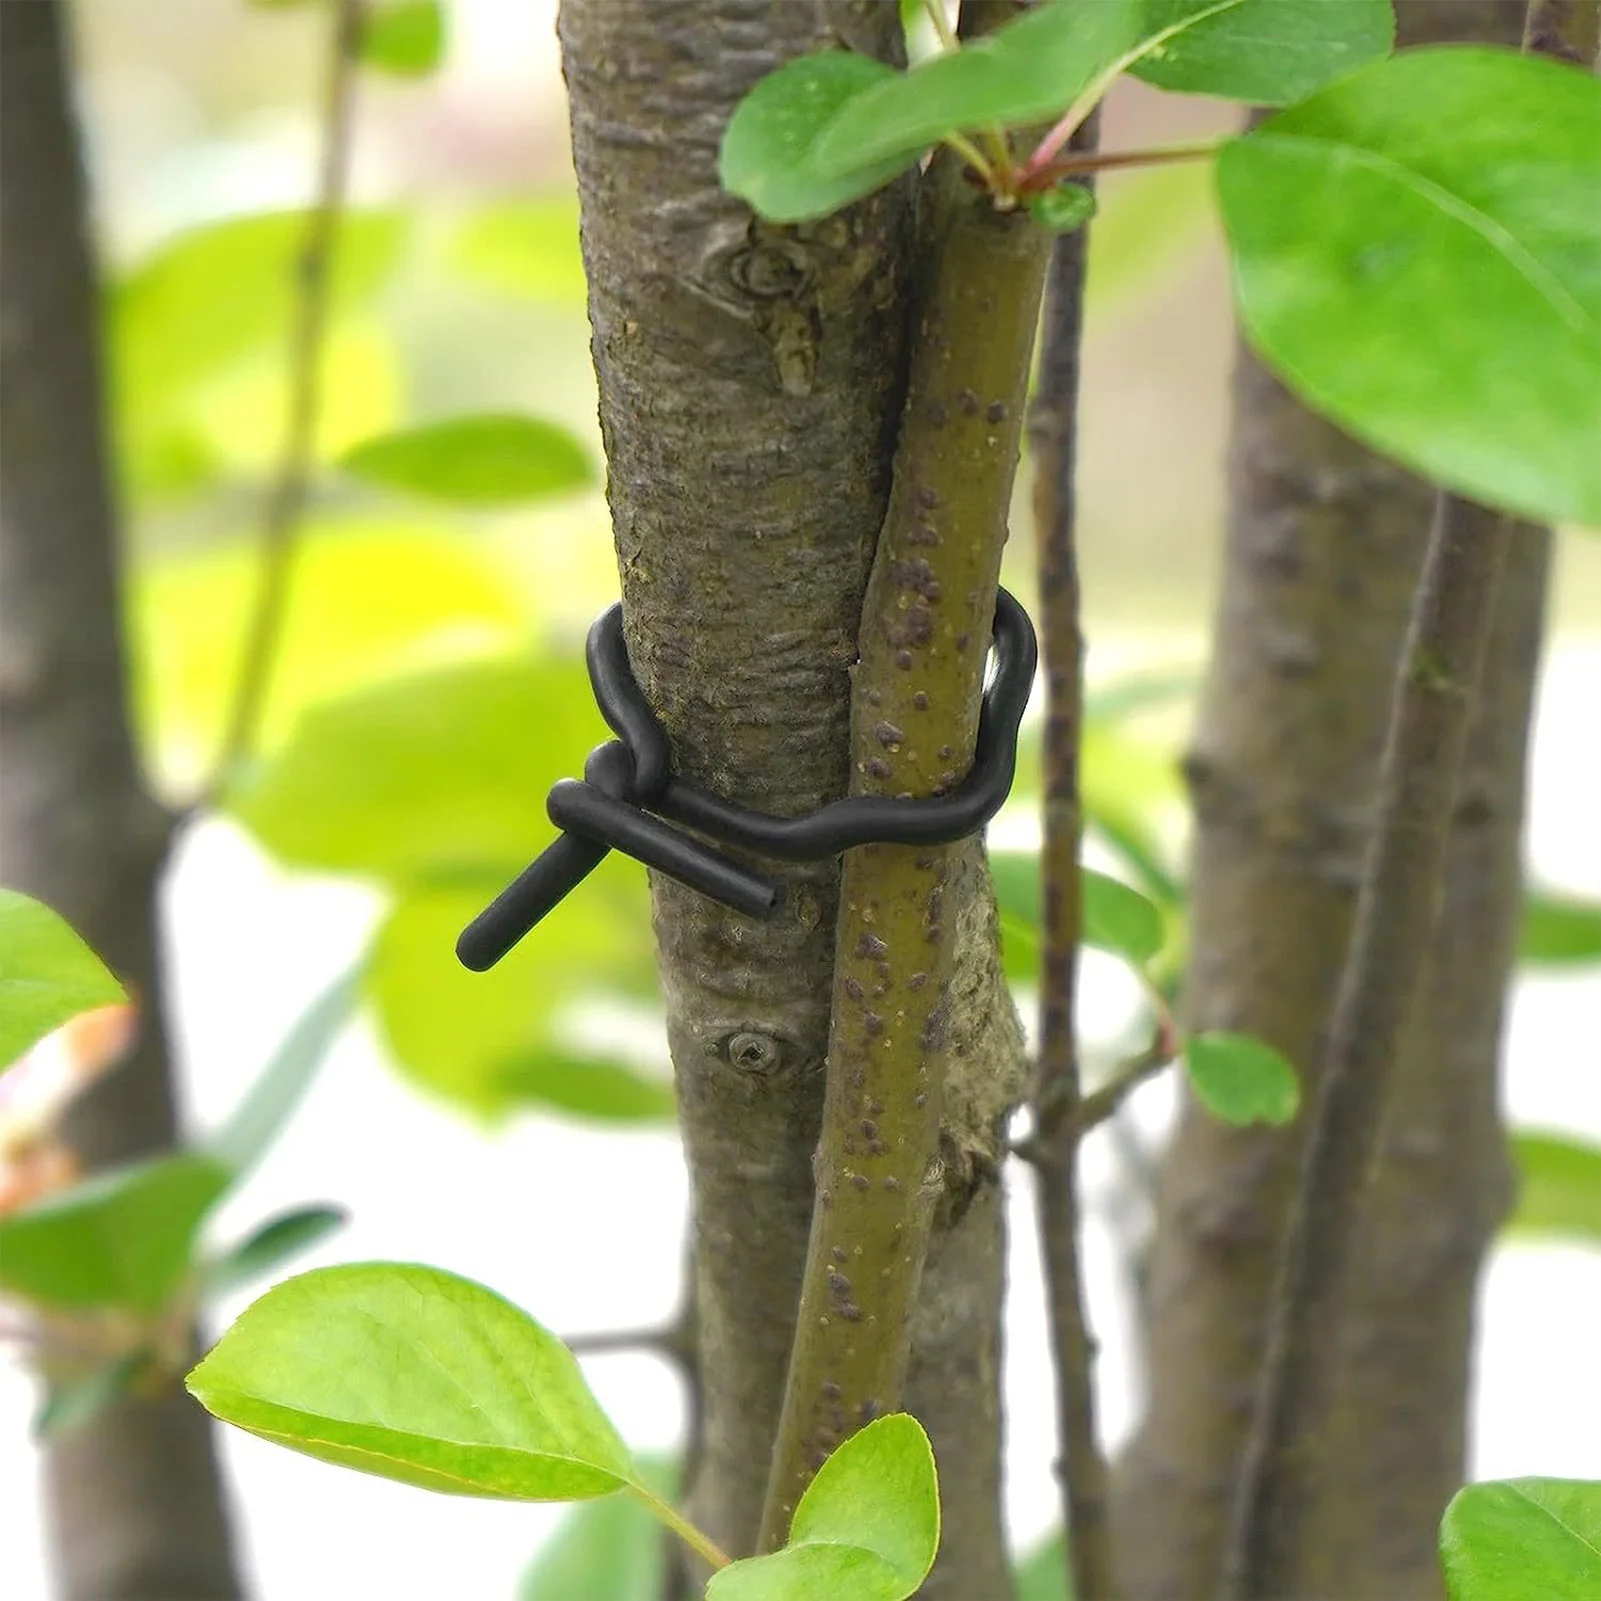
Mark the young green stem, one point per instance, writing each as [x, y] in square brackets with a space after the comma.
[1042, 176]
[941, 23]
[1058, 1098]
[287, 494]
[701, 1544]
[925, 632]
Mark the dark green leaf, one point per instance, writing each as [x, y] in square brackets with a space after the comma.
[1559, 1188]
[435, 774]
[1558, 930]
[609, 1550]
[1042, 1572]
[1063, 209]
[47, 975]
[276, 1241]
[867, 1526]
[404, 37]
[1523, 1540]
[1240, 1079]
[415, 1374]
[1440, 298]
[525, 247]
[766, 156]
[475, 461]
[70, 1404]
[260, 1117]
[490, 1041]
[1270, 52]
[123, 1238]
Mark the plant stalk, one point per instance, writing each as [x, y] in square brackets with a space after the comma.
[925, 632]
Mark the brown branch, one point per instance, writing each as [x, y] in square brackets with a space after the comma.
[1058, 1102]
[286, 496]
[1400, 892]
[925, 629]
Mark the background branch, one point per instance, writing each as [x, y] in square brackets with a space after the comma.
[286, 495]
[1058, 1105]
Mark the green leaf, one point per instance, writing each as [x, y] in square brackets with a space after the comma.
[1063, 209]
[1116, 918]
[218, 293]
[525, 247]
[122, 1238]
[1559, 1188]
[1119, 919]
[415, 1374]
[867, 1526]
[47, 975]
[276, 1241]
[435, 775]
[767, 150]
[71, 1404]
[497, 460]
[1438, 298]
[1240, 1079]
[609, 1550]
[266, 1108]
[490, 1041]
[369, 597]
[1559, 930]
[405, 37]
[1042, 1572]
[1268, 52]
[1523, 1540]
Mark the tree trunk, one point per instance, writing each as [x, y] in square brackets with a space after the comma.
[750, 383]
[1324, 547]
[134, 1497]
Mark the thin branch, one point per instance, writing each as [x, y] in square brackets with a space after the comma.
[286, 495]
[1402, 883]
[1058, 1101]
[673, 1344]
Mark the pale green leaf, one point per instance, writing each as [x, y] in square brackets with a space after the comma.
[275, 1242]
[607, 1550]
[220, 292]
[1440, 298]
[123, 1238]
[418, 1375]
[1041, 1573]
[1559, 1188]
[259, 1119]
[867, 1526]
[490, 1042]
[1559, 930]
[1119, 919]
[1240, 1079]
[527, 248]
[490, 460]
[437, 774]
[767, 149]
[404, 37]
[1064, 209]
[369, 598]
[47, 975]
[1523, 1540]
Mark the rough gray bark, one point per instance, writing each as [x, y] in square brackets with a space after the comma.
[135, 1504]
[1324, 547]
[750, 381]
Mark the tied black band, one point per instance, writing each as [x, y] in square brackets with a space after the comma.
[630, 800]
